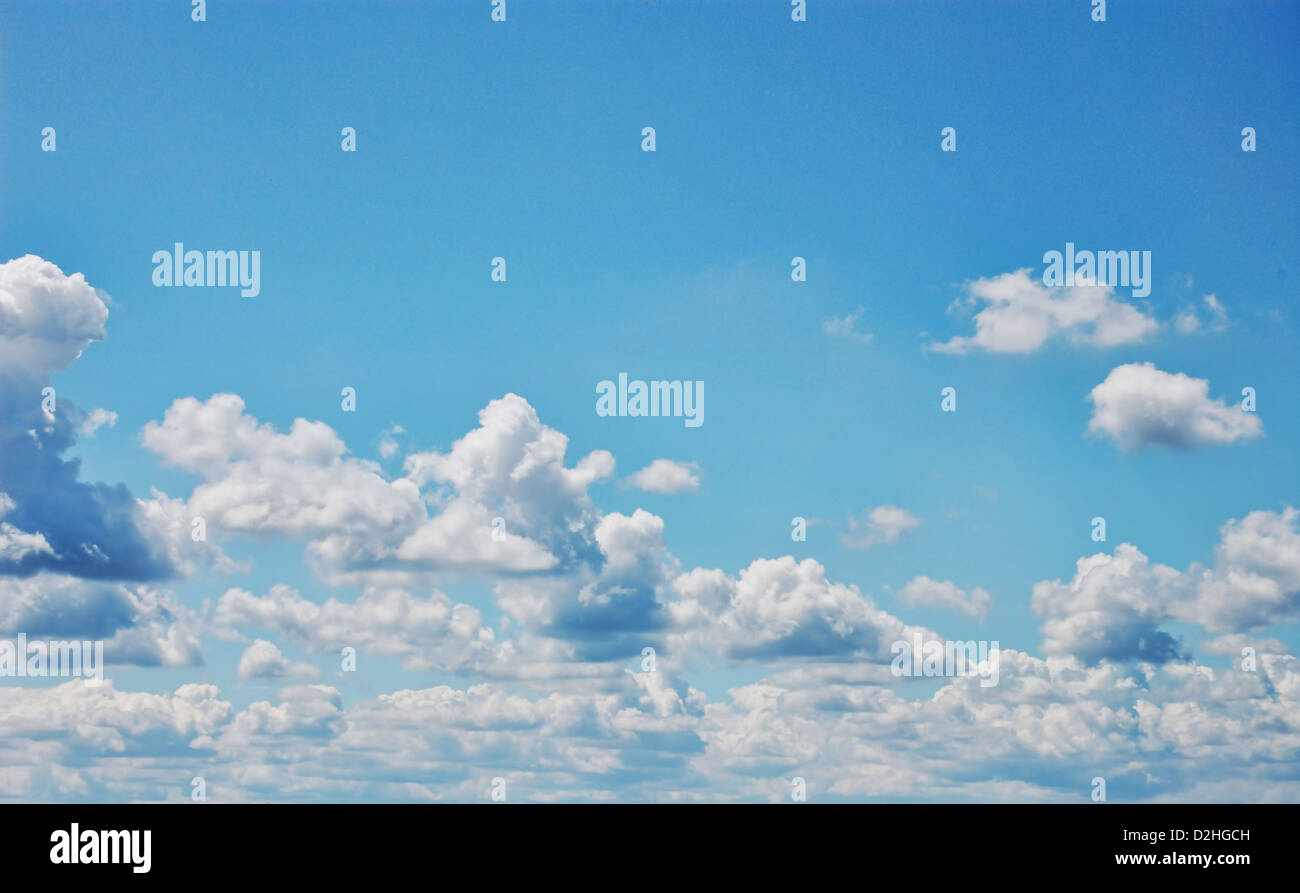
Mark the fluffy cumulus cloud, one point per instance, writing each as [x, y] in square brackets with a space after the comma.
[263, 660]
[1140, 406]
[667, 476]
[501, 500]
[610, 606]
[47, 318]
[506, 626]
[91, 530]
[1255, 580]
[1110, 609]
[550, 703]
[77, 559]
[511, 467]
[781, 608]
[260, 482]
[1016, 313]
[1114, 605]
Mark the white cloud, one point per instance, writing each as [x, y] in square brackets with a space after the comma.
[171, 524]
[1139, 405]
[46, 318]
[512, 467]
[15, 544]
[308, 712]
[1019, 314]
[300, 484]
[138, 624]
[1114, 605]
[463, 536]
[667, 476]
[1154, 731]
[388, 445]
[362, 527]
[925, 592]
[87, 530]
[262, 660]
[424, 633]
[1189, 321]
[608, 605]
[1110, 609]
[573, 722]
[884, 525]
[1255, 581]
[97, 419]
[847, 327]
[779, 608]
[1232, 645]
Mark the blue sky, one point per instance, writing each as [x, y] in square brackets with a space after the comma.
[774, 139]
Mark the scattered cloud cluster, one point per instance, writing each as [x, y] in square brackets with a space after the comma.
[545, 693]
[1211, 317]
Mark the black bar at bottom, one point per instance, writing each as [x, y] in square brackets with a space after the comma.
[643, 843]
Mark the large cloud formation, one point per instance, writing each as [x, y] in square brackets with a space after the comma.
[77, 559]
[561, 716]
[86, 530]
[1172, 731]
[302, 485]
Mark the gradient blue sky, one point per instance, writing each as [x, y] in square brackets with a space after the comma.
[774, 139]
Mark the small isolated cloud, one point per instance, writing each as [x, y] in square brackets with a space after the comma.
[388, 445]
[1190, 320]
[884, 526]
[262, 660]
[1139, 405]
[924, 592]
[667, 476]
[847, 327]
[1019, 314]
[97, 419]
